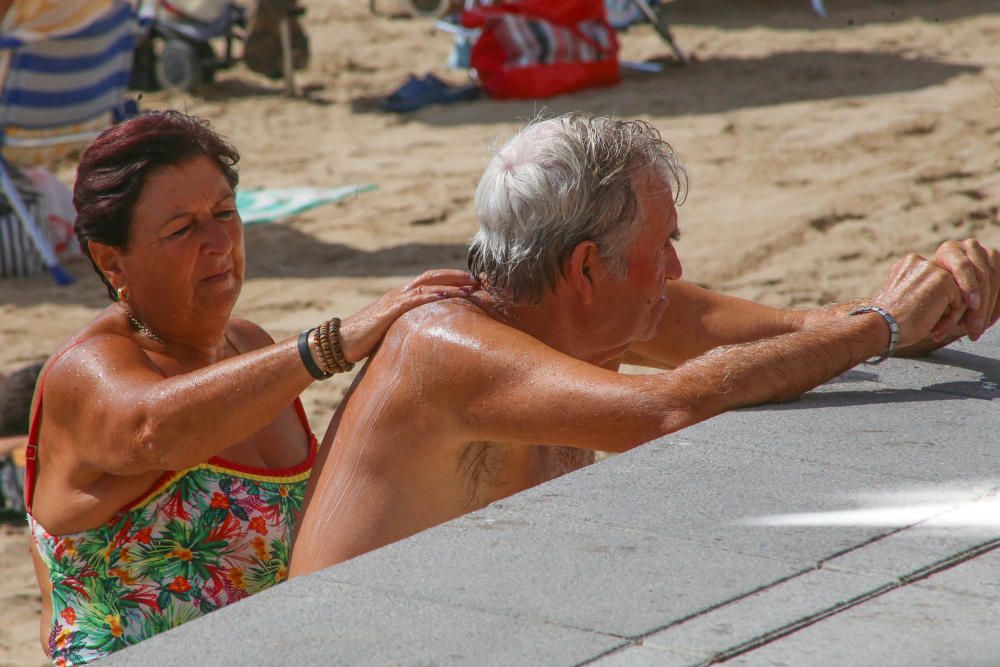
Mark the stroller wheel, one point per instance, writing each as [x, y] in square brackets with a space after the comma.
[178, 66]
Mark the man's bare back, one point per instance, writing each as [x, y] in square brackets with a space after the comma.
[394, 460]
[469, 402]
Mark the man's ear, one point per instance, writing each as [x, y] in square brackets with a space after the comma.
[582, 265]
[108, 260]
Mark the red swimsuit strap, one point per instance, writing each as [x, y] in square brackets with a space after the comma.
[31, 451]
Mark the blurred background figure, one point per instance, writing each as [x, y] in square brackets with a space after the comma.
[16, 390]
[181, 49]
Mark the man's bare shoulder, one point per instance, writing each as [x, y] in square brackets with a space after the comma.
[451, 327]
[453, 341]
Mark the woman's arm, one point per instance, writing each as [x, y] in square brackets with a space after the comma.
[108, 395]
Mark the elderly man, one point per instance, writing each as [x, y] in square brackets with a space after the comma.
[466, 403]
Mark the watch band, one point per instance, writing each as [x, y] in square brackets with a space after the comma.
[893, 329]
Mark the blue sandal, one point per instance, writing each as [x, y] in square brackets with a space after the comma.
[418, 92]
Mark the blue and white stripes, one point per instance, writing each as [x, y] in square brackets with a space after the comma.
[19, 255]
[529, 41]
[70, 79]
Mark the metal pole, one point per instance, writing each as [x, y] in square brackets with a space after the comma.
[286, 57]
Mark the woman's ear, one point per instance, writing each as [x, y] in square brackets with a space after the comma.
[583, 264]
[107, 258]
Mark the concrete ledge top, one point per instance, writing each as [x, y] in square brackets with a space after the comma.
[858, 525]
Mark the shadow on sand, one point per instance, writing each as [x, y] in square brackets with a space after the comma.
[717, 85]
[797, 14]
[237, 87]
[279, 250]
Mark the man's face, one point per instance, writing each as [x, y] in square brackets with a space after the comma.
[637, 301]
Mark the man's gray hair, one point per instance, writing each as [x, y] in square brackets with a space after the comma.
[560, 182]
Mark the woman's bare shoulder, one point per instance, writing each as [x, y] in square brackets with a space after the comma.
[103, 335]
[102, 354]
[247, 336]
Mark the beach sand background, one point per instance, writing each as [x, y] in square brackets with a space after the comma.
[818, 150]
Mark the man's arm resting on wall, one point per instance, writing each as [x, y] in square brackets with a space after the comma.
[524, 392]
[698, 320]
[516, 389]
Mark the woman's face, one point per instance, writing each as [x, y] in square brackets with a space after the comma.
[185, 258]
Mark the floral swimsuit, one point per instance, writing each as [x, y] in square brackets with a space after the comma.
[197, 540]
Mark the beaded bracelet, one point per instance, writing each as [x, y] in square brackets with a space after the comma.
[329, 347]
[338, 345]
[893, 329]
[325, 348]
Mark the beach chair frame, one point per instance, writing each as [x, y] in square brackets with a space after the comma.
[656, 18]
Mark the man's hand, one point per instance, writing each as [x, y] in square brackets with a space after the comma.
[922, 296]
[976, 270]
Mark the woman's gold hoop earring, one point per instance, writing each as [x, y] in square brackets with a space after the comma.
[123, 293]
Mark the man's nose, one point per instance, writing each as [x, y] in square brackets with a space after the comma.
[673, 268]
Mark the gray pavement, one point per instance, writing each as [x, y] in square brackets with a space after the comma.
[858, 525]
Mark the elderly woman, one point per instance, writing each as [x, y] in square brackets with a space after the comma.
[168, 452]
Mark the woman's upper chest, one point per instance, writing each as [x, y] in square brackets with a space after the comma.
[281, 444]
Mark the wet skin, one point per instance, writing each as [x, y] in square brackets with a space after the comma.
[184, 269]
[402, 460]
[466, 403]
[120, 409]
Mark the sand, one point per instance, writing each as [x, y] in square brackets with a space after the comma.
[819, 150]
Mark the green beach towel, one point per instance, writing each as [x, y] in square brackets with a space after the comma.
[269, 204]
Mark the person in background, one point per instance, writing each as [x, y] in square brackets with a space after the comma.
[16, 390]
[262, 50]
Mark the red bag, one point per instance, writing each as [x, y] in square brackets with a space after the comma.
[541, 48]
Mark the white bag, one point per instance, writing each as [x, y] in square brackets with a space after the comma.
[60, 215]
[50, 203]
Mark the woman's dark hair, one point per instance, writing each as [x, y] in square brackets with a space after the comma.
[115, 167]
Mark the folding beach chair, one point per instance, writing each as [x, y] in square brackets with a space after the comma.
[624, 13]
[57, 83]
[620, 14]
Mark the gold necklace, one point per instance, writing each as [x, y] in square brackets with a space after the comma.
[140, 327]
